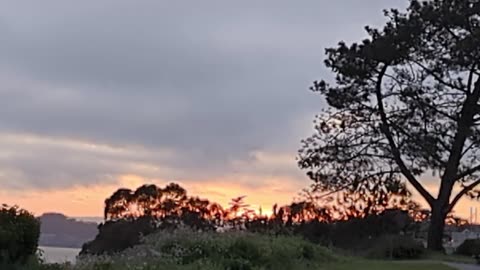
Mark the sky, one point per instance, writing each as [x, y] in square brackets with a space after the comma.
[212, 94]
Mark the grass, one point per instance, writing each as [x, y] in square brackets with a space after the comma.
[236, 251]
[438, 256]
[350, 265]
[340, 265]
[384, 265]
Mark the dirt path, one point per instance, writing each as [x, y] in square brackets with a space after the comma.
[461, 266]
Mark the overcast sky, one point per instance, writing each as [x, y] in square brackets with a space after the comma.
[181, 90]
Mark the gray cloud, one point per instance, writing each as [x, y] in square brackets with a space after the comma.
[211, 81]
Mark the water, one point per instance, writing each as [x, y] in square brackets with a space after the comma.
[59, 255]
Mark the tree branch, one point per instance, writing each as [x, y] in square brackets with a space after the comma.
[461, 193]
[396, 153]
[465, 151]
[435, 109]
[450, 175]
[468, 172]
[464, 124]
[439, 79]
[470, 78]
[348, 184]
[424, 148]
[452, 33]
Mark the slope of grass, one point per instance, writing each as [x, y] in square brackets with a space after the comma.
[242, 251]
[438, 256]
[351, 265]
[184, 250]
[387, 265]
[340, 265]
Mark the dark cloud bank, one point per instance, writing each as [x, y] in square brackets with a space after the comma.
[166, 88]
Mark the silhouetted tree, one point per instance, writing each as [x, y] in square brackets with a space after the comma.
[147, 199]
[237, 204]
[118, 205]
[405, 103]
[216, 213]
[173, 198]
[169, 205]
[239, 211]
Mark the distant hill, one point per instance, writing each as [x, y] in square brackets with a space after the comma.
[57, 230]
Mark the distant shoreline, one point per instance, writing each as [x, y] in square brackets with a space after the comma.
[57, 246]
[59, 254]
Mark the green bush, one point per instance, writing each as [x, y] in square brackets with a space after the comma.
[246, 249]
[19, 233]
[469, 247]
[235, 251]
[396, 247]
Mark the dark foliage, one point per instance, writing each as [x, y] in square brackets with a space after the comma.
[115, 236]
[470, 247]
[396, 247]
[356, 234]
[19, 233]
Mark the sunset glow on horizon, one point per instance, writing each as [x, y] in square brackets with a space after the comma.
[88, 201]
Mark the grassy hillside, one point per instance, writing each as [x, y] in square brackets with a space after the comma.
[185, 250]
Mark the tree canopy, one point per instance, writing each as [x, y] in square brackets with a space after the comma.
[19, 233]
[173, 203]
[404, 106]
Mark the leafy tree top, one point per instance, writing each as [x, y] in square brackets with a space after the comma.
[405, 103]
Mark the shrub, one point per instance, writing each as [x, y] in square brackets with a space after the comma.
[116, 236]
[19, 233]
[315, 231]
[245, 249]
[396, 247]
[469, 247]
[209, 250]
[356, 234]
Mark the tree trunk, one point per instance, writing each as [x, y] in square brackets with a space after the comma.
[435, 231]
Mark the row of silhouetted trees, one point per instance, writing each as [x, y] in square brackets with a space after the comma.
[346, 220]
[172, 203]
